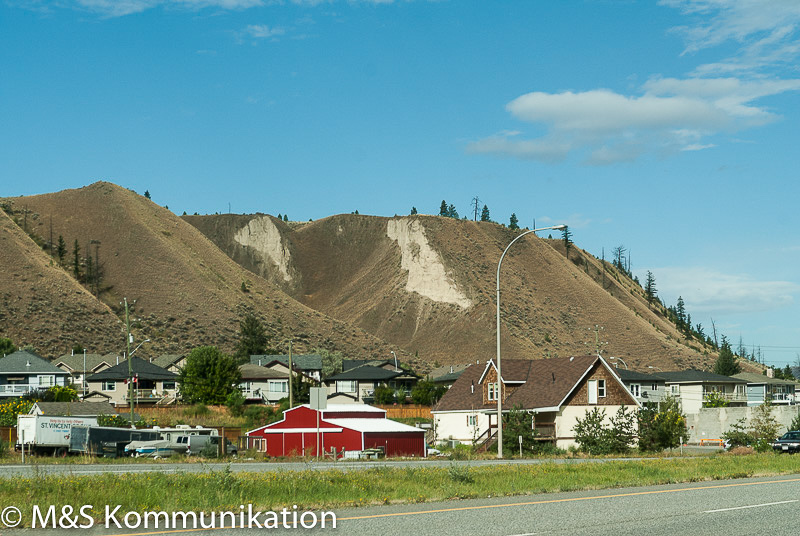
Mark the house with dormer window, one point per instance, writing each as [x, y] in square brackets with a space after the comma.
[555, 392]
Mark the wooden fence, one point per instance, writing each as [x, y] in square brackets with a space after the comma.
[406, 411]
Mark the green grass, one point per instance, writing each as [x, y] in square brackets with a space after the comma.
[224, 490]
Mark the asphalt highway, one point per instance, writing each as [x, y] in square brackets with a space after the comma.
[768, 506]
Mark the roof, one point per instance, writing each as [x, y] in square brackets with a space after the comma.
[348, 364]
[696, 376]
[448, 373]
[351, 408]
[144, 369]
[74, 362]
[26, 362]
[751, 377]
[256, 372]
[546, 383]
[366, 372]
[374, 425]
[631, 375]
[166, 360]
[74, 409]
[299, 361]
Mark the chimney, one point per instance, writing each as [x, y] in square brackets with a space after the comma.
[770, 372]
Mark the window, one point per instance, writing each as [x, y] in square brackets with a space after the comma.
[592, 387]
[636, 390]
[491, 393]
[654, 387]
[46, 381]
[601, 388]
[347, 386]
[168, 386]
[279, 386]
[675, 389]
[108, 386]
[472, 420]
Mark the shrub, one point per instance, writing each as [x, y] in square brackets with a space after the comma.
[661, 426]
[596, 438]
[796, 422]
[210, 450]
[764, 427]
[425, 393]
[235, 403]
[738, 435]
[384, 395]
[715, 399]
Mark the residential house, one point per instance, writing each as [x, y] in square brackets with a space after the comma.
[151, 383]
[447, 375]
[761, 389]
[342, 427]
[692, 387]
[309, 364]
[23, 372]
[358, 384]
[263, 384]
[81, 365]
[643, 387]
[556, 392]
[171, 362]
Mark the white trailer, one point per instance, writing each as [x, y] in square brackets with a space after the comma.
[43, 434]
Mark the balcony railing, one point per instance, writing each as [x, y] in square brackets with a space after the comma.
[147, 394]
[19, 389]
[730, 397]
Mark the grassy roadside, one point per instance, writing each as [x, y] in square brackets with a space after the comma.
[224, 490]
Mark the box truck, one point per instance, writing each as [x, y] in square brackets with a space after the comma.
[43, 434]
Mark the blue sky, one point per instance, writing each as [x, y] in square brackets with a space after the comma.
[667, 127]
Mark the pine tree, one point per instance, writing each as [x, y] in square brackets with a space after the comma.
[485, 214]
[61, 250]
[680, 313]
[566, 236]
[413, 210]
[452, 212]
[443, 209]
[650, 290]
[726, 364]
[285, 218]
[253, 339]
[513, 222]
[76, 261]
[147, 194]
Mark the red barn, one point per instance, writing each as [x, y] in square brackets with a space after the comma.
[352, 427]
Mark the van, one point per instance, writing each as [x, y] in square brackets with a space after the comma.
[196, 443]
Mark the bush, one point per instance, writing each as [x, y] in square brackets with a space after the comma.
[738, 435]
[257, 416]
[384, 395]
[796, 422]
[210, 450]
[596, 438]
[715, 400]
[764, 427]
[235, 403]
[662, 428]
[426, 393]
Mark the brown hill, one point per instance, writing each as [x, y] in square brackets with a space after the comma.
[42, 306]
[427, 284]
[187, 292]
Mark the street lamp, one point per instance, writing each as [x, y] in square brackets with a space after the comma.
[499, 390]
[655, 368]
[395, 361]
[621, 361]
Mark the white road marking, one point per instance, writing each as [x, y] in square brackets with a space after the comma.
[749, 506]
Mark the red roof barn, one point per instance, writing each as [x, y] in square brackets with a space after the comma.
[352, 427]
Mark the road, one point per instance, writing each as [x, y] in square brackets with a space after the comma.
[745, 506]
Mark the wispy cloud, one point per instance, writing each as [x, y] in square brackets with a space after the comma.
[712, 292]
[667, 115]
[256, 32]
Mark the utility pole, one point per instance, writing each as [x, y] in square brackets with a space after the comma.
[128, 354]
[291, 374]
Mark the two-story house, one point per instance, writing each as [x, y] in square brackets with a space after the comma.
[151, 383]
[556, 392]
[644, 387]
[80, 366]
[261, 384]
[693, 387]
[761, 389]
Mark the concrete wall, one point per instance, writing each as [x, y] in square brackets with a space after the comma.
[711, 423]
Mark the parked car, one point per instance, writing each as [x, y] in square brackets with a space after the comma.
[198, 442]
[788, 442]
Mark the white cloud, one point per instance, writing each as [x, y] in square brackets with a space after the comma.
[119, 8]
[712, 292]
[262, 31]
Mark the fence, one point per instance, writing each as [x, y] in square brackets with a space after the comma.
[407, 412]
[8, 433]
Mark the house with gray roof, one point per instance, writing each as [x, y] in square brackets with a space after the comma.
[81, 365]
[170, 362]
[151, 383]
[72, 409]
[448, 374]
[309, 364]
[761, 388]
[262, 384]
[643, 387]
[358, 384]
[24, 372]
[692, 387]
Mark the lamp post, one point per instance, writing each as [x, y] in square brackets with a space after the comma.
[499, 390]
[83, 378]
[621, 361]
[395, 361]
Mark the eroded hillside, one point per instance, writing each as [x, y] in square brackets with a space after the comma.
[184, 291]
[428, 284]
